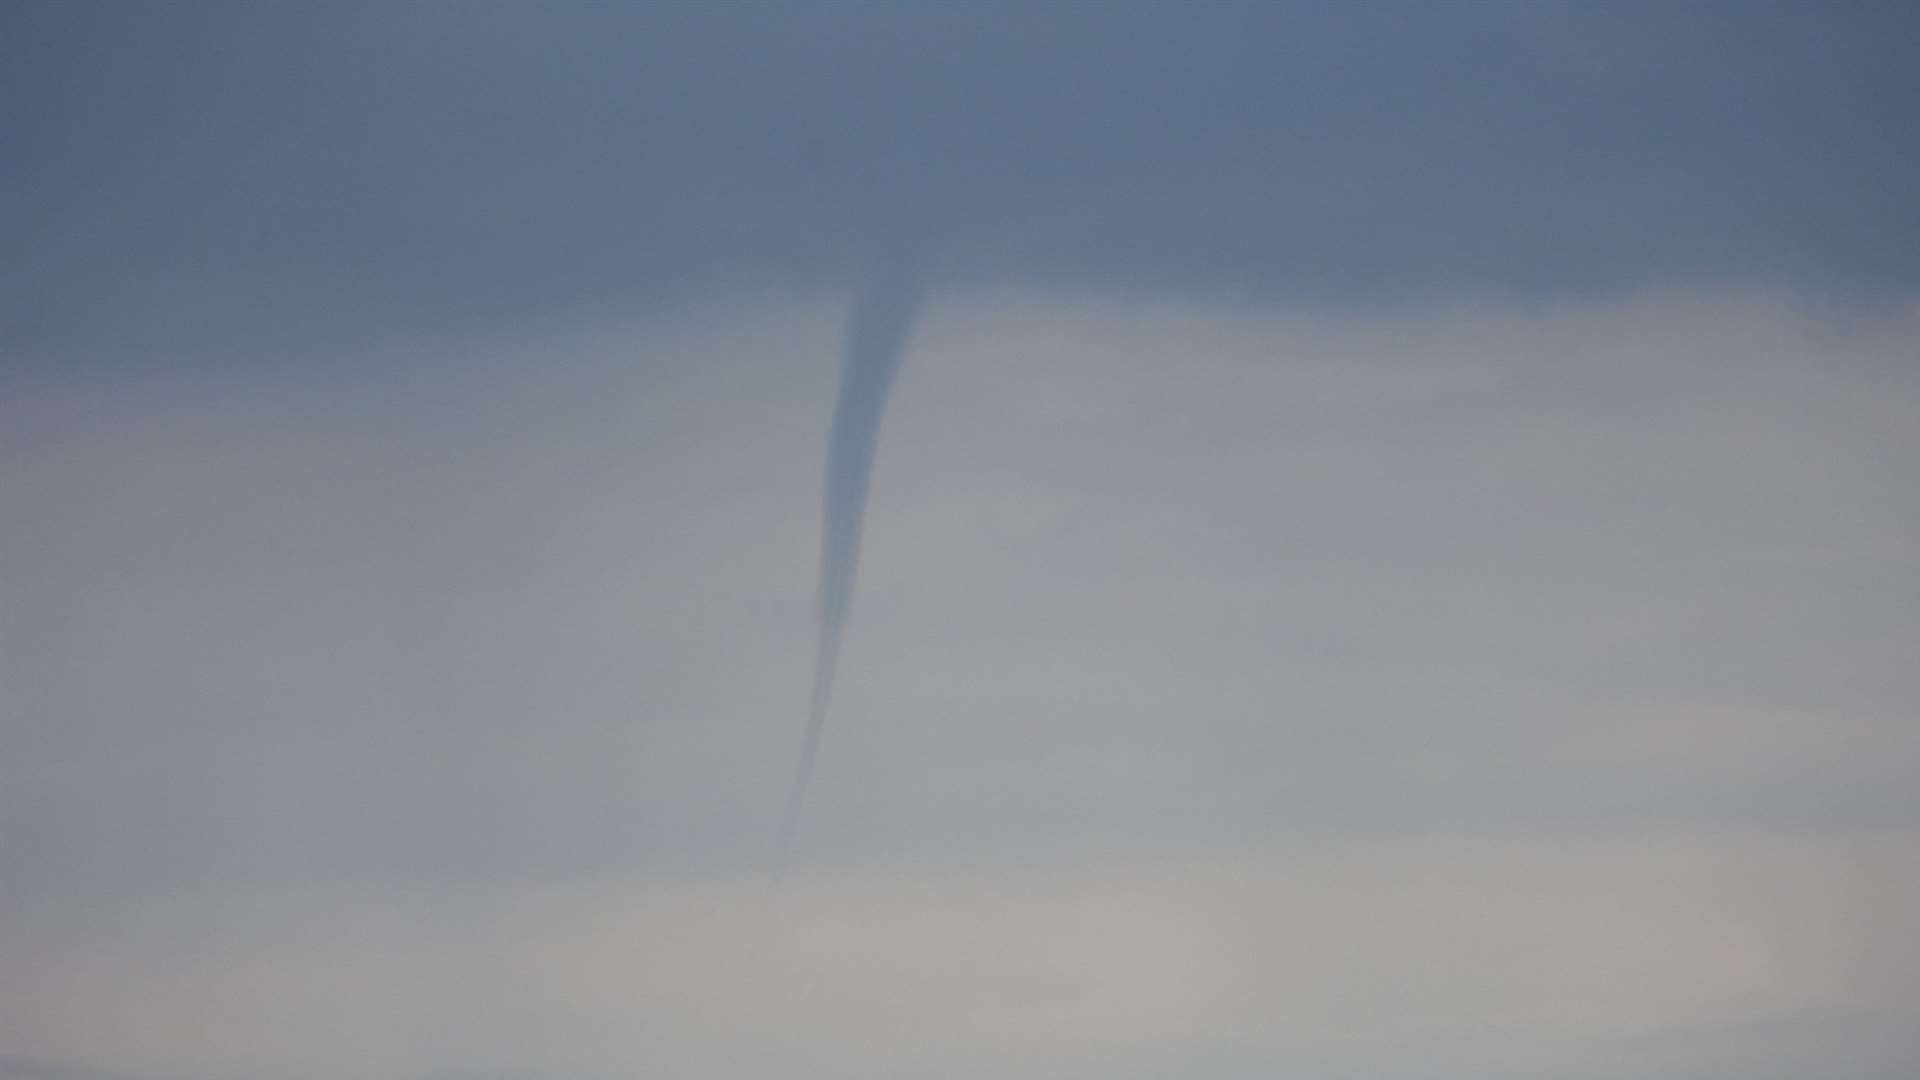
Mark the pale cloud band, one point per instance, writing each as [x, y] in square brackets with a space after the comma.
[1487, 690]
[1626, 953]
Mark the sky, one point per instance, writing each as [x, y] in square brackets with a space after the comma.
[1389, 553]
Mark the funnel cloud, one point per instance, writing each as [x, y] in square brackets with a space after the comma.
[876, 340]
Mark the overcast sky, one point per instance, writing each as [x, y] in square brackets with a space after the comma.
[1391, 553]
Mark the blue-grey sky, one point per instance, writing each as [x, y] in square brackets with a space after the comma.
[1390, 552]
[260, 178]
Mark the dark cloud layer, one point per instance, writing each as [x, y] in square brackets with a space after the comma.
[224, 175]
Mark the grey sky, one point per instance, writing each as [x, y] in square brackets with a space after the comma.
[1390, 554]
[263, 178]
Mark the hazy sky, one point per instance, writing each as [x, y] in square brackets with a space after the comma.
[1391, 554]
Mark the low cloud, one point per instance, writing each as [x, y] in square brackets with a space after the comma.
[1231, 690]
[1504, 956]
